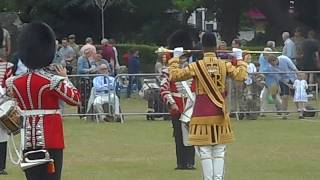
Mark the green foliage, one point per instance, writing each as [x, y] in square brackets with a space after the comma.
[147, 55]
[187, 5]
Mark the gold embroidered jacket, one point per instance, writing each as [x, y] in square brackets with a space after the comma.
[210, 124]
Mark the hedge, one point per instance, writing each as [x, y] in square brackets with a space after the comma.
[148, 56]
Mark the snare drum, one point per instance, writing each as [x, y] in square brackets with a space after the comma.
[10, 116]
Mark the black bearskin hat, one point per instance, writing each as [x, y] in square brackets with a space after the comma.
[209, 40]
[180, 38]
[36, 45]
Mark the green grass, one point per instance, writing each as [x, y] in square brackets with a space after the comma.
[269, 148]
[140, 150]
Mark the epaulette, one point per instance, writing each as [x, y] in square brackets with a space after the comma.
[54, 79]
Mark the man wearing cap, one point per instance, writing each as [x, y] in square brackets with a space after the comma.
[37, 94]
[210, 127]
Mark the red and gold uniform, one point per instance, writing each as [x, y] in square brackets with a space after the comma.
[210, 127]
[175, 93]
[209, 116]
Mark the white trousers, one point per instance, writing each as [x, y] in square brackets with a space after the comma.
[111, 98]
[212, 161]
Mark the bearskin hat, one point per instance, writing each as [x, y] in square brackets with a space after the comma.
[36, 45]
[180, 38]
[209, 40]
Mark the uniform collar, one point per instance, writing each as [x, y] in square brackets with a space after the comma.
[210, 54]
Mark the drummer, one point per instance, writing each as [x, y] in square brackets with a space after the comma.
[38, 93]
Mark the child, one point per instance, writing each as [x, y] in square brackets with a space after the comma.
[300, 95]
[251, 89]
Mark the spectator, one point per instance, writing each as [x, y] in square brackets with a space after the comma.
[84, 67]
[126, 57]
[109, 53]
[300, 94]
[298, 39]
[113, 43]
[283, 64]
[57, 57]
[223, 47]
[237, 91]
[271, 87]
[133, 68]
[310, 59]
[72, 43]
[289, 48]
[198, 46]
[104, 86]
[251, 89]
[89, 45]
[161, 61]
[99, 61]
[67, 55]
[5, 46]
[312, 35]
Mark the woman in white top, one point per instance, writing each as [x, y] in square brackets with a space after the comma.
[300, 95]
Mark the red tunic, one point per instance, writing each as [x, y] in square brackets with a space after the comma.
[173, 92]
[40, 90]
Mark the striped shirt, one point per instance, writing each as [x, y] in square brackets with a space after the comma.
[5, 72]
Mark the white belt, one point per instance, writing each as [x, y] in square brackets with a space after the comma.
[180, 95]
[40, 112]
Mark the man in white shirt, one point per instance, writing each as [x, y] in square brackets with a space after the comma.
[104, 91]
[289, 48]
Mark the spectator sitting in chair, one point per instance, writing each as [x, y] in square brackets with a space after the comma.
[104, 84]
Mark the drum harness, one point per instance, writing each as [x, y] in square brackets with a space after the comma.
[25, 114]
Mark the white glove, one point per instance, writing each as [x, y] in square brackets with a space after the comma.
[2, 91]
[177, 52]
[237, 53]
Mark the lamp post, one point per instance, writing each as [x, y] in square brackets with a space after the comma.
[101, 5]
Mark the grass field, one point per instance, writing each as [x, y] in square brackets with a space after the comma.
[265, 149]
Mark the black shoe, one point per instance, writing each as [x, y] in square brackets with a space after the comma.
[301, 117]
[179, 168]
[190, 167]
[3, 172]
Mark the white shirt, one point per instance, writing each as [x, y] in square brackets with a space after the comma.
[251, 69]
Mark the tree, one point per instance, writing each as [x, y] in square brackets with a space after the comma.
[187, 7]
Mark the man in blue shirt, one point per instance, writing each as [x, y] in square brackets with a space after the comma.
[133, 68]
[283, 64]
[104, 92]
[271, 81]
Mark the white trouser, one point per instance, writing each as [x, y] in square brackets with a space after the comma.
[263, 100]
[110, 98]
[212, 161]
